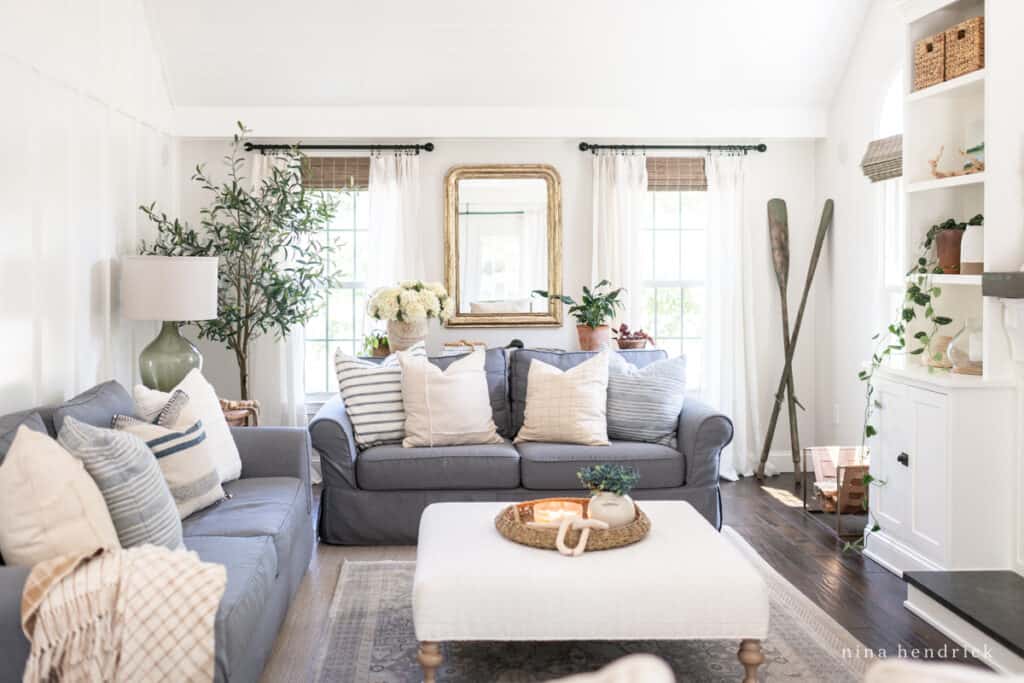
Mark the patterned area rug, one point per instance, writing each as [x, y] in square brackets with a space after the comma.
[370, 637]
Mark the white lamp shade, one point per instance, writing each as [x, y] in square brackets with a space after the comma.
[170, 288]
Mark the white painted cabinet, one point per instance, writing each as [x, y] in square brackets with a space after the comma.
[943, 451]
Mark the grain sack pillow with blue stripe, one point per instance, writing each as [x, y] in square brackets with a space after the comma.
[129, 478]
[644, 403]
[373, 396]
[183, 453]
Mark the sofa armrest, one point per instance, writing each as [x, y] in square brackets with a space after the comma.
[275, 452]
[14, 646]
[334, 440]
[702, 434]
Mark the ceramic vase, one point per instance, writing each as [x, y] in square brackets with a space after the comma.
[402, 335]
[947, 244]
[611, 508]
[594, 338]
[972, 250]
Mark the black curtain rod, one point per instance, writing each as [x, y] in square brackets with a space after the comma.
[590, 147]
[426, 147]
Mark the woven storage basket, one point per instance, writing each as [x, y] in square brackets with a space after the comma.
[929, 61]
[512, 524]
[965, 47]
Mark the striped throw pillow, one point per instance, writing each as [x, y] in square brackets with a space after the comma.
[644, 404]
[127, 475]
[373, 396]
[185, 460]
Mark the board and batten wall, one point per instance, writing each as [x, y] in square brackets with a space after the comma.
[786, 170]
[84, 130]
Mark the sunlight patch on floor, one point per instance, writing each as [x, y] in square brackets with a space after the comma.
[784, 496]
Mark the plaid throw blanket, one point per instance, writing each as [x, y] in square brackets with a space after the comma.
[138, 614]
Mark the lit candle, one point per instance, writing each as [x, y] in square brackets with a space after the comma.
[553, 512]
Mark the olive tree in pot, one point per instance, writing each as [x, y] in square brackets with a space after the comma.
[592, 313]
[273, 274]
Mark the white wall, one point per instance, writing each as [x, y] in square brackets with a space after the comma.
[850, 295]
[84, 134]
[786, 171]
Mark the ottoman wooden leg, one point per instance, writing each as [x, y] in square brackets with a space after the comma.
[430, 659]
[750, 657]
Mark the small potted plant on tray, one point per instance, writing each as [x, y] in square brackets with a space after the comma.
[609, 487]
[629, 339]
[376, 344]
[594, 309]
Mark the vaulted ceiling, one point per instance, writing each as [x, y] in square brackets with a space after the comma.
[517, 53]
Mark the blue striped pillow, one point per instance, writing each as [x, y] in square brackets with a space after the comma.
[644, 403]
[129, 478]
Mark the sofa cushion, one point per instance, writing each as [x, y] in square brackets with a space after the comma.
[391, 468]
[519, 371]
[551, 466]
[496, 367]
[251, 565]
[9, 427]
[262, 506]
[96, 406]
[644, 403]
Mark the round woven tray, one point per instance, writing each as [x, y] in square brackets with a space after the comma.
[512, 524]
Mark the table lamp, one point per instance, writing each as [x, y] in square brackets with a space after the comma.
[173, 290]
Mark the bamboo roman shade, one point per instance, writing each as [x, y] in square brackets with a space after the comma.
[883, 159]
[336, 173]
[676, 174]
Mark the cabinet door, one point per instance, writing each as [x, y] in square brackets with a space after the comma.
[888, 501]
[929, 497]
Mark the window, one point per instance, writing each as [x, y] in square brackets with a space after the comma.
[890, 216]
[673, 264]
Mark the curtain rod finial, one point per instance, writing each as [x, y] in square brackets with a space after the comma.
[762, 147]
[429, 146]
[584, 146]
[248, 147]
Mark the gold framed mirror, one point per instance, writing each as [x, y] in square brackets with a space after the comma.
[502, 240]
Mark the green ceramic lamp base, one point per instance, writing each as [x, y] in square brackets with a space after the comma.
[168, 358]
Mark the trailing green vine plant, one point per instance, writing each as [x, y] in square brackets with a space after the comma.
[918, 305]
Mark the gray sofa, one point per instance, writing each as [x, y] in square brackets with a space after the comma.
[376, 496]
[262, 534]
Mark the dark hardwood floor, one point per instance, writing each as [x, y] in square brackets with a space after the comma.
[861, 595]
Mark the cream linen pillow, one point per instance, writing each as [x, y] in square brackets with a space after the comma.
[567, 407]
[447, 407]
[203, 405]
[49, 505]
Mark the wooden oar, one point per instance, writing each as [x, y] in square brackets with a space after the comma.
[812, 266]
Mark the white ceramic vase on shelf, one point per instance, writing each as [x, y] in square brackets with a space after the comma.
[402, 335]
[610, 508]
[972, 250]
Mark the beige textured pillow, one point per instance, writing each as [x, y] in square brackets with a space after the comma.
[447, 407]
[49, 505]
[567, 407]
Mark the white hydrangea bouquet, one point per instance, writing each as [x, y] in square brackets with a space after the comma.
[407, 308]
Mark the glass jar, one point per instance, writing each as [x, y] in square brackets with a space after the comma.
[965, 351]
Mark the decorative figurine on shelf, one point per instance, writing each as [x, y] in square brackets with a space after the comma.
[974, 162]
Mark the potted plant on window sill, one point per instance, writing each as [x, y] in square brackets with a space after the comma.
[375, 344]
[592, 313]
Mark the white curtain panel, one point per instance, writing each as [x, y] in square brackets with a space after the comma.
[276, 376]
[730, 367]
[394, 208]
[620, 194]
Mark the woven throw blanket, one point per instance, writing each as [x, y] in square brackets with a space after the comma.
[138, 614]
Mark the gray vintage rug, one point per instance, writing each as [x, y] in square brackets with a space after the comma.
[369, 637]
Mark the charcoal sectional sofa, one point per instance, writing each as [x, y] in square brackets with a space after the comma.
[262, 534]
[376, 496]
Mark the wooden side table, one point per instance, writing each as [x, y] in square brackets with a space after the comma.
[241, 413]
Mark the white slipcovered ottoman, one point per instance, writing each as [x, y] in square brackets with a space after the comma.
[683, 582]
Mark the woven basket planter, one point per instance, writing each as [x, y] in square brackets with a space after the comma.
[965, 47]
[512, 524]
[930, 61]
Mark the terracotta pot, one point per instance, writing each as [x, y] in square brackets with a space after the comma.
[382, 351]
[402, 335]
[947, 244]
[594, 338]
